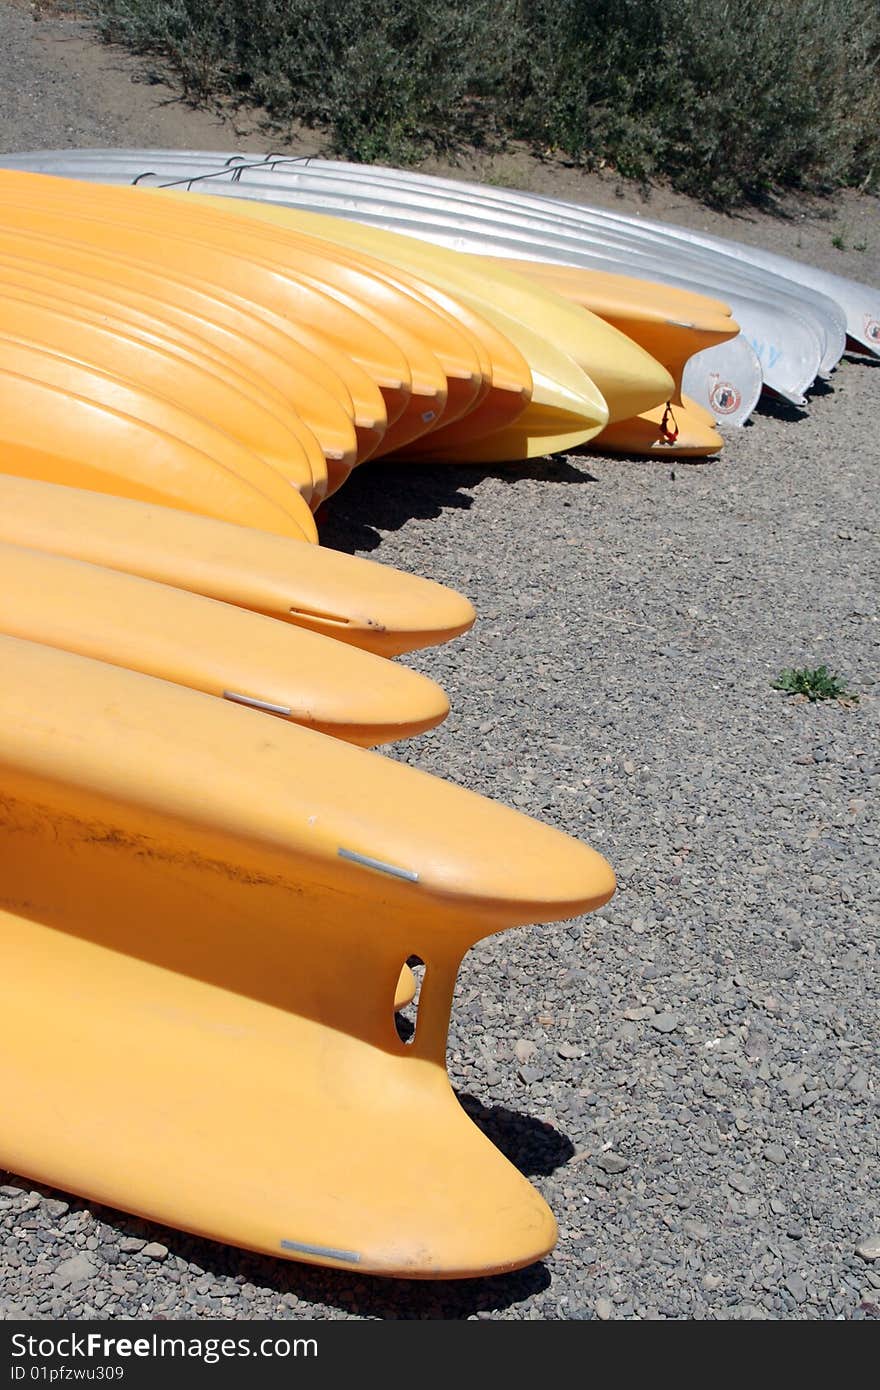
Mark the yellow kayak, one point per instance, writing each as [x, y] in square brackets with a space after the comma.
[204, 916]
[64, 423]
[409, 303]
[439, 356]
[316, 403]
[424, 342]
[356, 601]
[213, 647]
[378, 324]
[200, 245]
[158, 366]
[372, 367]
[506, 380]
[667, 321]
[680, 428]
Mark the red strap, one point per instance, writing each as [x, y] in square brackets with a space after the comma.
[670, 435]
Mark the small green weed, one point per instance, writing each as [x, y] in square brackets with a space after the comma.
[818, 684]
[842, 240]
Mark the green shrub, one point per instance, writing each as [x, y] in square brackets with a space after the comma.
[390, 79]
[731, 100]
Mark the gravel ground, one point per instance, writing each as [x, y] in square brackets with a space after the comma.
[689, 1075]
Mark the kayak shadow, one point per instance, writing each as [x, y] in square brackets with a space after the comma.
[383, 496]
[775, 408]
[656, 462]
[532, 1146]
[821, 387]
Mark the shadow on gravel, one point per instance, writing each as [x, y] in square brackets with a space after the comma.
[296, 1288]
[657, 462]
[385, 496]
[821, 387]
[774, 408]
[385, 1299]
[532, 1146]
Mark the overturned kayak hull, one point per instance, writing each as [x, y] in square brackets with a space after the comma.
[40, 214]
[100, 338]
[680, 429]
[561, 384]
[257, 898]
[64, 423]
[271, 367]
[672, 326]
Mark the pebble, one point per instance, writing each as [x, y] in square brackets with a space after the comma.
[664, 1023]
[612, 1163]
[698, 1230]
[869, 1249]
[74, 1271]
[740, 1182]
[796, 1287]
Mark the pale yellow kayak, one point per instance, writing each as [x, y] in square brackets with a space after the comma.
[672, 324]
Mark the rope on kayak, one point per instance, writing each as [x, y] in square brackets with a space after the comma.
[669, 435]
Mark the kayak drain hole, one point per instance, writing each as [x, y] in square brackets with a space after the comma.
[409, 987]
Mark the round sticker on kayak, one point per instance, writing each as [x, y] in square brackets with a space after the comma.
[872, 329]
[724, 398]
